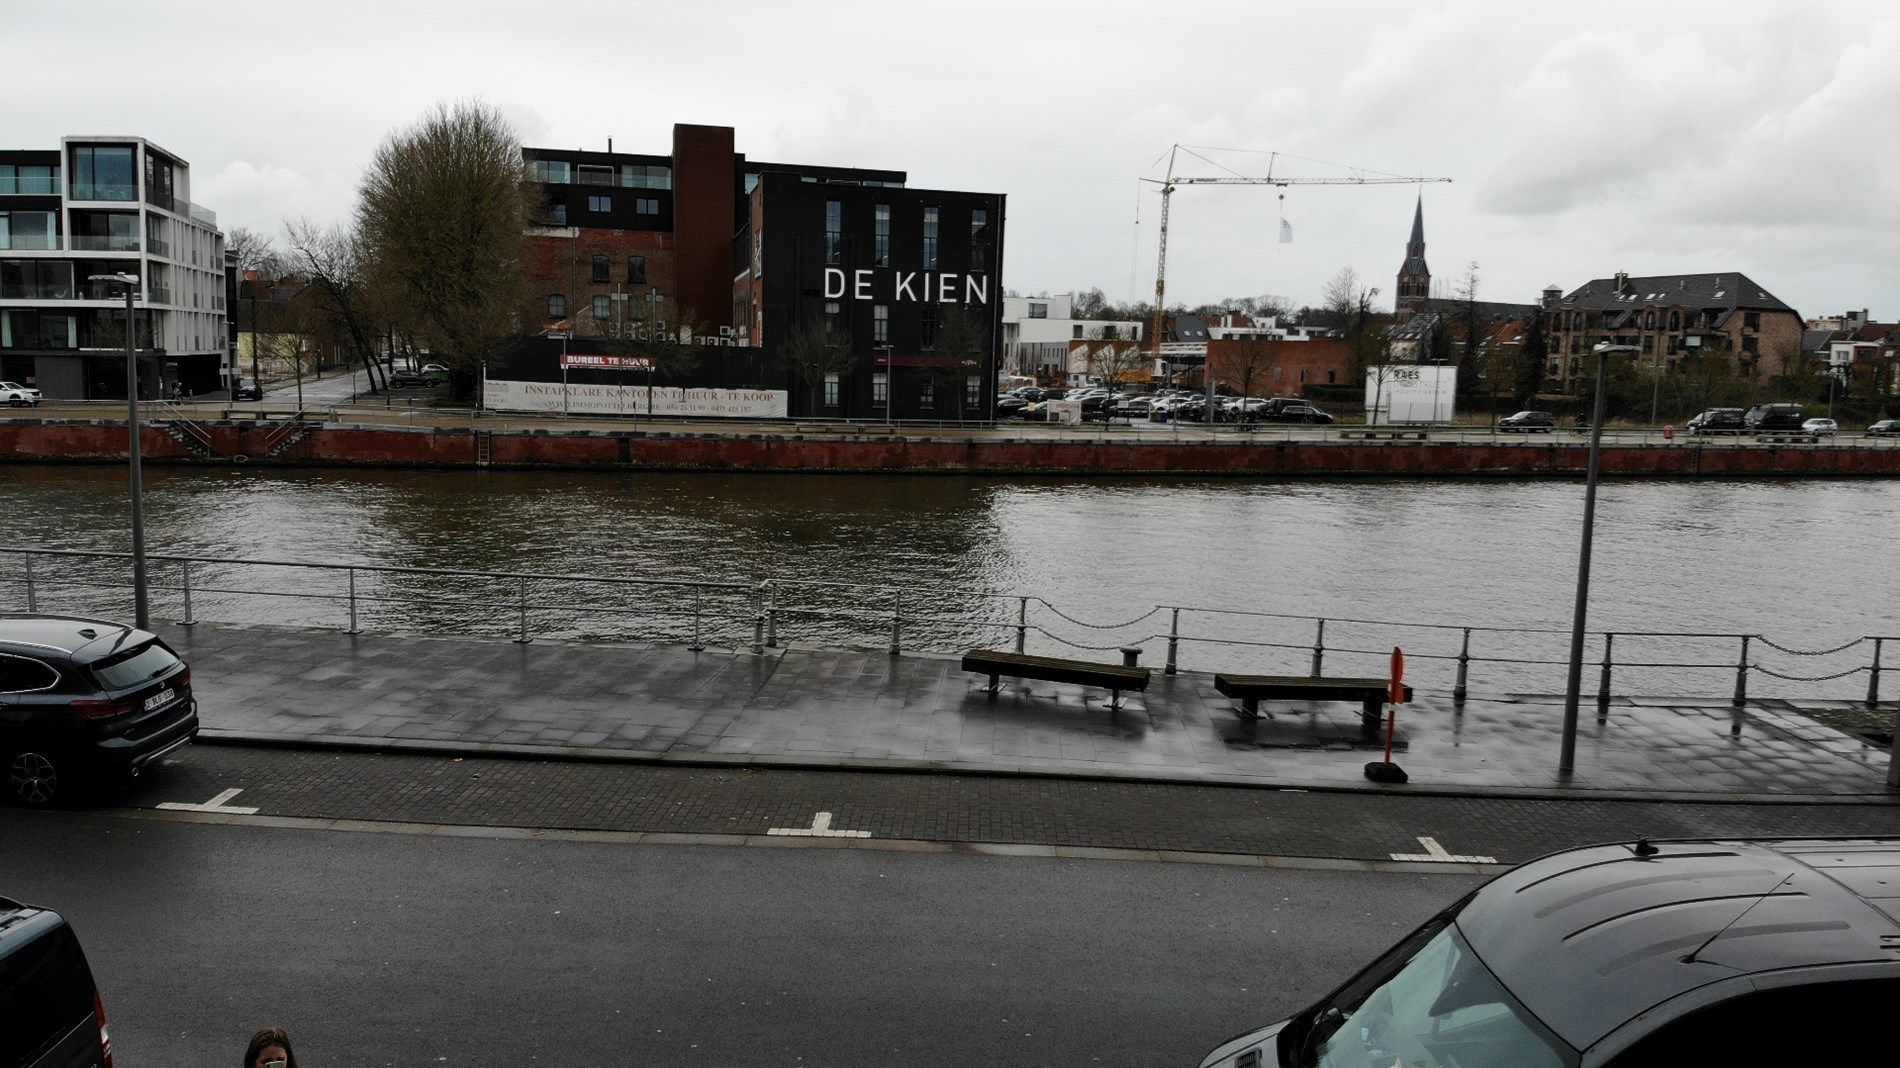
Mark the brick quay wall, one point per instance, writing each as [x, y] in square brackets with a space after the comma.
[240, 443]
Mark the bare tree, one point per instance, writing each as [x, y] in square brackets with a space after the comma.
[962, 341]
[1250, 360]
[254, 254]
[669, 341]
[1111, 362]
[331, 259]
[813, 350]
[443, 209]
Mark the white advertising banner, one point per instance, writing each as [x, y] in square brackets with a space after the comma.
[580, 399]
[1410, 393]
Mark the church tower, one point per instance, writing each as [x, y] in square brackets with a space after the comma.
[1415, 279]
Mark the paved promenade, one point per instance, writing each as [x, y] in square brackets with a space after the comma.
[844, 708]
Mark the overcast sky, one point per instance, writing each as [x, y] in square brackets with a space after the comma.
[1582, 139]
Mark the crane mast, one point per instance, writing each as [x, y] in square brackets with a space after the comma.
[1168, 184]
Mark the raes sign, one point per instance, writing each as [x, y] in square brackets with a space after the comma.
[894, 287]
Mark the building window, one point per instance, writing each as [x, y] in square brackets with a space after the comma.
[557, 214]
[28, 178]
[646, 176]
[881, 250]
[929, 322]
[834, 316]
[927, 392]
[603, 269]
[1649, 344]
[603, 308]
[1751, 345]
[551, 170]
[603, 205]
[973, 390]
[880, 388]
[831, 389]
[834, 232]
[1675, 320]
[557, 306]
[979, 239]
[880, 323]
[1038, 311]
[930, 238]
[29, 230]
[104, 173]
[646, 206]
[1751, 320]
[637, 269]
[1075, 331]
[592, 174]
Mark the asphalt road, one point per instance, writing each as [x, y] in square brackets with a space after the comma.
[420, 949]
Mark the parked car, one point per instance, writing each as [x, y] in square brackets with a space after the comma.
[436, 369]
[1885, 428]
[1717, 421]
[1008, 405]
[83, 697]
[1771, 418]
[51, 1014]
[1643, 954]
[1529, 422]
[1296, 413]
[413, 379]
[1821, 428]
[1133, 407]
[247, 389]
[15, 395]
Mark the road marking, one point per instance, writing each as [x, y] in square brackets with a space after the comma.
[820, 828]
[1435, 854]
[216, 804]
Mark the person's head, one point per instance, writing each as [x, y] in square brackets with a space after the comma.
[267, 1046]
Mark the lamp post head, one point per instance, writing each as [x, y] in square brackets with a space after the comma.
[125, 279]
[1604, 348]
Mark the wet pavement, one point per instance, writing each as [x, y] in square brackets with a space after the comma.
[831, 708]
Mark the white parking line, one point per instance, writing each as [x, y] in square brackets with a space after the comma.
[820, 828]
[1435, 854]
[216, 804]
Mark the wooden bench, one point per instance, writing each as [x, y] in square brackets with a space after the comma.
[1253, 689]
[1111, 677]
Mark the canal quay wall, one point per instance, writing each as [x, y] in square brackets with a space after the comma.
[936, 452]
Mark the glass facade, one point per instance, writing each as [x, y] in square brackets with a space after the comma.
[104, 172]
[29, 178]
[882, 250]
[647, 176]
[29, 230]
[552, 170]
[37, 280]
[834, 232]
[881, 323]
[930, 238]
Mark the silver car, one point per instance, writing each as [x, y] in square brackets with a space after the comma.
[15, 395]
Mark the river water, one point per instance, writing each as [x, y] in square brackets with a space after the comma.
[1809, 565]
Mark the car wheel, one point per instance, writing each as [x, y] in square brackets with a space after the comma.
[36, 779]
[16, 403]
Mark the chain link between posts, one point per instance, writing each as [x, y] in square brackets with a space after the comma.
[1807, 678]
[1806, 652]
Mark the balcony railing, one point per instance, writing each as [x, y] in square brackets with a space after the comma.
[157, 247]
[158, 295]
[37, 291]
[104, 243]
[29, 242]
[104, 191]
[17, 184]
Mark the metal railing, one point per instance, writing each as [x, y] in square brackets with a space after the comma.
[1463, 658]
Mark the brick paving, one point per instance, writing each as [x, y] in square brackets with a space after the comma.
[1008, 810]
[833, 707]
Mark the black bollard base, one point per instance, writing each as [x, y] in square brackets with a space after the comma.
[1382, 771]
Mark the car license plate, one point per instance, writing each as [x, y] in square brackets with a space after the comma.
[162, 697]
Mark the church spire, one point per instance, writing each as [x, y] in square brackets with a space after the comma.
[1415, 278]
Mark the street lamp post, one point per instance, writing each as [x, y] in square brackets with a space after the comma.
[1567, 762]
[140, 613]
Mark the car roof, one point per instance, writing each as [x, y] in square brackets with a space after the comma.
[1589, 938]
[76, 637]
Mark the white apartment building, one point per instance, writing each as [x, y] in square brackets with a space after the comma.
[1037, 332]
[107, 205]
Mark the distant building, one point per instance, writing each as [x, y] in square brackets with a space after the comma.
[1278, 367]
[1415, 278]
[1409, 341]
[1671, 319]
[747, 252]
[108, 205]
[1037, 332]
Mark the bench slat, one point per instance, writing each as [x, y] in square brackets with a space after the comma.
[1303, 687]
[1056, 669]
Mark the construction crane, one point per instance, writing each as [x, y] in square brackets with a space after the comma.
[1356, 176]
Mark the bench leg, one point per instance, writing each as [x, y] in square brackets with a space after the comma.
[1370, 716]
[1114, 700]
[993, 684]
[1250, 707]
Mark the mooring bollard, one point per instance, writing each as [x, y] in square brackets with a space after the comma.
[1319, 648]
[1873, 676]
[352, 574]
[771, 615]
[897, 623]
[187, 621]
[32, 599]
[1603, 682]
[521, 632]
[1174, 639]
[1131, 656]
[1464, 665]
[1741, 675]
[758, 620]
[1022, 622]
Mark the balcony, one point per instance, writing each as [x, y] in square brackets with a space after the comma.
[158, 248]
[39, 185]
[158, 295]
[112, 191]
[29, 242]
[38, 291]
[103, 243]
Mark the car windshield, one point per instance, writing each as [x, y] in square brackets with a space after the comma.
[1437, 1007]
[131, 669]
